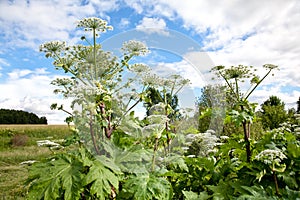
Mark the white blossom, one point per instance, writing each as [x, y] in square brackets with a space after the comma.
[135, 48]
[93, 23]
[270, 156]
[53, 48]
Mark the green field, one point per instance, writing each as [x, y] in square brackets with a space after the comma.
[18, 143]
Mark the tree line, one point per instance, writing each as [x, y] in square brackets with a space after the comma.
[9, 116]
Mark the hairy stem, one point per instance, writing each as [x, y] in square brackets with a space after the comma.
[109, 128]
[166, 124]
[246, 138]
[246, 129]
[154, 154]
[276, 183]
[93, 135]
[237, 89]
[94, 52]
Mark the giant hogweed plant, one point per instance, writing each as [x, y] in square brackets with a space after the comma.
[115, 148]
[243, 112]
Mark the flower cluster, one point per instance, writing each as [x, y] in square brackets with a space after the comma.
[139, 68]
[53, 48]
[271, 156]
[203, 144]
[93, 23]
[134, 48]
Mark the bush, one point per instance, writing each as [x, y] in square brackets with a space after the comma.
[19, 140]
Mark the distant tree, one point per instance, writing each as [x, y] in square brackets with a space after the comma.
[273, 113]
[207, 105]
[8, 116]
[155, 96]
[298, 106]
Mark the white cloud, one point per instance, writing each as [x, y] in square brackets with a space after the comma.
[3, 63]
[30, 23]
[137, 5]
[124, 23]
[183, 68]
[30, 90]
[153, 25]
[250, 33]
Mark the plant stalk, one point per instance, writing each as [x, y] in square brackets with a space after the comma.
[276, 183]
[93, 135]
[154, 154]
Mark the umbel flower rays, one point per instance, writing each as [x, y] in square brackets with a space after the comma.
[94, 24]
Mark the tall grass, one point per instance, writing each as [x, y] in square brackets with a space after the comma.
[18, 144]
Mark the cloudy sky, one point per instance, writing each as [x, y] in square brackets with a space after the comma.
[186, 37]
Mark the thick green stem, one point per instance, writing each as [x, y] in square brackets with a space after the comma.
[246, 138]
[154, 154]
[166, 124]
[237, 89]
[246, 129]
[276, 183]
[108, 128]
[93, 135]
[94, 52]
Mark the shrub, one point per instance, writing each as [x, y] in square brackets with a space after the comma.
[19, 140]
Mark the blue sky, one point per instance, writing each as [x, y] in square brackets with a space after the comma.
[186, 37]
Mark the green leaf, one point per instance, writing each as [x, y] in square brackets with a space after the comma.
[58, 177]
[147, 187]
[177, 161]
[102, 179]
[189, 195]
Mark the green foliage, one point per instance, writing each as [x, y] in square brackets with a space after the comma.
[73, 176]
[146, 187]
[154, 96]
[273, 113]
[273, 172]
[211, 106]
[298, 106]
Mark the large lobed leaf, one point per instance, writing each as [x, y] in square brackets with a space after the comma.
[102, 178]
[58, 178]
[146, 187]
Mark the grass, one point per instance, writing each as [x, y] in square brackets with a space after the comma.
[18, 144]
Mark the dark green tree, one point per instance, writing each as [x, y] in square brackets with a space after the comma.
[273, 113]
[154, 96]
[209, 106]
[298, 106]
[8, 116]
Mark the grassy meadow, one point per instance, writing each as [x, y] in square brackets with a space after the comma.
[18, 143]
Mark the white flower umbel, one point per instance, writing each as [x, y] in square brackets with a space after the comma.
[53, 48]
[204, 143]
[271, 156]
[93, 23]
[134, 48]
